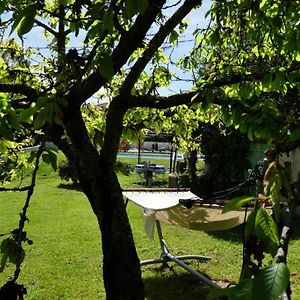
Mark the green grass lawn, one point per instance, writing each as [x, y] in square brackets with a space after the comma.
[64, 261]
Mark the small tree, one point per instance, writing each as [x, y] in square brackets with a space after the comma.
[247, 52]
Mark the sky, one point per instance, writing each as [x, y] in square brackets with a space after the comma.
[196, 19]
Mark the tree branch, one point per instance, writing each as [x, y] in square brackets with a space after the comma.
[155, 43]
[47, 28]
[162, 102]
[22, 189]
[129, 42]
[18, 89]
[286, 232]
[199, 95]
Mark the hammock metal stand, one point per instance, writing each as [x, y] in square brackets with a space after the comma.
[167, 256]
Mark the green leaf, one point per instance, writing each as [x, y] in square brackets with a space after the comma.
[133, 7]
[215, 293]
[266, 230]
[295, 135]
[26, 114]
[243, 290]
[75, 27]
[108, 21]
[246, 90]
[173, 37]
[27, 20]
[17, 20]
[250, 224]
[273, 11]
[243, 3]
[31, 157]
[94, 30]
[5, 131]
[13, 120]
[237, 114]
[106, 66]
[208, 13]
[271, 282]
[2, 7]
[236, 203]
[40, 119]
[275, 194]
[263, 4]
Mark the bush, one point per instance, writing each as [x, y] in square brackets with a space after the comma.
[8, 169]
[225, 152]
[123, 168]
[66, 171]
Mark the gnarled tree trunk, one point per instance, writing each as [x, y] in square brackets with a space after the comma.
[121, 268]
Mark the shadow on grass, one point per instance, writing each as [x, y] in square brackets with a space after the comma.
[155, 183]
[70, 186]
[167, 284]
[296, 228]
[234, 234]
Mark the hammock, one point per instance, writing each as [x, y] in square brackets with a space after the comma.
[168, 206]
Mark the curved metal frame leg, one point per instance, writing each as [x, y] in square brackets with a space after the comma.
[166, 256]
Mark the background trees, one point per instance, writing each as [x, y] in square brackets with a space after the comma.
[243, 66]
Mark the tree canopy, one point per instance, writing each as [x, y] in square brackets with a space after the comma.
[244, 68]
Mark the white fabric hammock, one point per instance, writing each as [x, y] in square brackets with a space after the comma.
[164, 206]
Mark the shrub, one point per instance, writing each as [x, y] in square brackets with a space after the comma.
[225, 153]
[6, 165]
[123, 168]
[66, 171]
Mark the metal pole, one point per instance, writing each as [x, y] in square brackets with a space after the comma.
[139, 152]
[175, 158]
[171, 157]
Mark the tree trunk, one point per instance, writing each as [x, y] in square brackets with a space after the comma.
[121, 266]
[193, 167]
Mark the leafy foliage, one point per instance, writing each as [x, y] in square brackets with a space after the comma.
[244, 69]
[269, 283]
[266, 230]
[225, 153]
[236, 203]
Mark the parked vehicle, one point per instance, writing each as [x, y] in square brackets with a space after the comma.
[158, 169]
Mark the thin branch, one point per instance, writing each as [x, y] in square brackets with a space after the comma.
[18, 89]
[155, 43]
[162, 102]
[23, 217]
[129, 42]
[173, 5]
[22, 189]
[286, 232]
[61, 39]
[46, 27]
